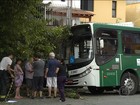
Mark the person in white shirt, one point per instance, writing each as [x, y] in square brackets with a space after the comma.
[5, 68]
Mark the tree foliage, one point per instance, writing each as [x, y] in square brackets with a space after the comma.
[24, 31]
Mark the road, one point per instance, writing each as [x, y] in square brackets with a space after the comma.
[108, 98]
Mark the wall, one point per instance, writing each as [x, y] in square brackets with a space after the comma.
[103, 11]
[62, 20]
[133, 13]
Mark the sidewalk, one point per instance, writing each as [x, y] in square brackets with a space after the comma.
[46, 101]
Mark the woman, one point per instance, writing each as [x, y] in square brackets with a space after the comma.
[61, 79]
[18, 78]
[29, 76]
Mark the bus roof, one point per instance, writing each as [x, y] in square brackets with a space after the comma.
[119, 27]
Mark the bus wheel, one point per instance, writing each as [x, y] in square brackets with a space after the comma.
[129, 83]
[95, 90]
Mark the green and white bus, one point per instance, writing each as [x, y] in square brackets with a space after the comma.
[103, 57]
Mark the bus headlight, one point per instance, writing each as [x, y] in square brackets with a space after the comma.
[86, 72]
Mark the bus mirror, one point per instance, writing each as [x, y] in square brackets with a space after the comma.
[101, 43]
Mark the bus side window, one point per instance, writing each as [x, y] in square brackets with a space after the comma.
[137, 43]
[131, 42]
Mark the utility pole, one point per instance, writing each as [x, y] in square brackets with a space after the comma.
[69, 12]
[45, 12]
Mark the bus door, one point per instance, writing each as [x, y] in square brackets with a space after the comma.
[106, 56]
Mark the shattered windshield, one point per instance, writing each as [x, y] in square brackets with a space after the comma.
[79, 46]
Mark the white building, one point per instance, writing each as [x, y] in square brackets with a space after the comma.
[63, 3]
[65, 12]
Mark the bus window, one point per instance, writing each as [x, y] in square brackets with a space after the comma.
[106, 45]
[131, 42]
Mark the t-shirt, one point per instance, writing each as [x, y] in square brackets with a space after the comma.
[38, 68]
[28, 68]
[5, 62]
[62, 70]
[52, 65]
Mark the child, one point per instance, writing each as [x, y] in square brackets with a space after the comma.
[18, 78]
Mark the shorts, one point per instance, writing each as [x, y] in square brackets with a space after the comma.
[52, 82]
[29, 83]
[38, 83]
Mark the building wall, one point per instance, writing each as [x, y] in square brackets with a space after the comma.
[62, 20]
[133, 13]
[103, 11]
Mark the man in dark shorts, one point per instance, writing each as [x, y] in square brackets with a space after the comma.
[38, 77]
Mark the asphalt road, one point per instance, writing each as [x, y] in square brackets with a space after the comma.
[109, 98]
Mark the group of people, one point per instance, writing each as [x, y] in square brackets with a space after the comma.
[35, 69]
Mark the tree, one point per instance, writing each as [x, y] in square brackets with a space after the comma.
[14, 23]
[24, 31]
[59, 34]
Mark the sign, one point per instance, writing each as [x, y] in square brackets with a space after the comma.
[72, 59]
[117, 60]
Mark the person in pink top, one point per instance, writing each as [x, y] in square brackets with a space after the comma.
[18, 78]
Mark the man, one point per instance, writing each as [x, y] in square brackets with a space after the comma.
[4, 70]
[38, 77]
[51, 74]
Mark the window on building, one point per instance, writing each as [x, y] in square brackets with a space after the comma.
[87, 5]
[114, 9]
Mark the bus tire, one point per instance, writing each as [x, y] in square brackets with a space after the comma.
[130, 82]
[95, 90]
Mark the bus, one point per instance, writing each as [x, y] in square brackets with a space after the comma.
[103, 57]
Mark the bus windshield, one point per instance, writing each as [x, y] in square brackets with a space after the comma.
[79, 46]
